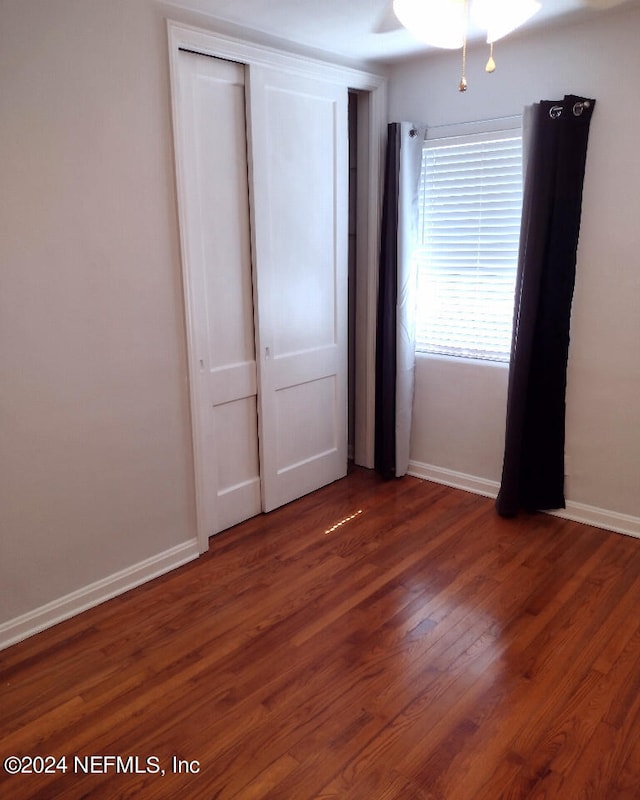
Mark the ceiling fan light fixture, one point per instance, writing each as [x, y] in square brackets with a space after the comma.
[439, 23]
[445, 23]
[501, 17]
[442, 23]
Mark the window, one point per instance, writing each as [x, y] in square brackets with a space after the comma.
[469, 227]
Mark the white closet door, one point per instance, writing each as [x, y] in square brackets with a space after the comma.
[299, 181]
[217, 251]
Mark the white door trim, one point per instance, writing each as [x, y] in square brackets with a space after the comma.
[185, 37]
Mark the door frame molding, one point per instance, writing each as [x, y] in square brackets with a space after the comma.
[373, 89]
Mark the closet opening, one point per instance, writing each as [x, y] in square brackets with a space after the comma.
[361, 282]
[353, 249]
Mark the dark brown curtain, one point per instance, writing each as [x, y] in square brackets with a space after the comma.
[533, 467]
[385, 424]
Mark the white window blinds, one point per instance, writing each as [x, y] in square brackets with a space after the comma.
[469, 228]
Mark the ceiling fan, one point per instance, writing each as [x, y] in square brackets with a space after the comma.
[389, 21]
[451, 23]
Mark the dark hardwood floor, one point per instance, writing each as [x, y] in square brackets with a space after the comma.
[423, 648]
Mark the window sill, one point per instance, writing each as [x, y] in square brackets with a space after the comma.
[471, 362]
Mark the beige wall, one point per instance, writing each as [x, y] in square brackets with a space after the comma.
[94, 414]
[460, 407]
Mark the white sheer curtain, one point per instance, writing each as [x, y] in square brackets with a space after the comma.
[410, 164]
[396, 301]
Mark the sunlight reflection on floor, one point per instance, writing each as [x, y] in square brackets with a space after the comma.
[343, 521]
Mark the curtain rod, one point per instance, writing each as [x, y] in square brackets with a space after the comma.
[475, 122]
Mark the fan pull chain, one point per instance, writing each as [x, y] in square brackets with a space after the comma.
[462, 86]
[491, 64]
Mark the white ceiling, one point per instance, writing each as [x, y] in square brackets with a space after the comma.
[357, 29]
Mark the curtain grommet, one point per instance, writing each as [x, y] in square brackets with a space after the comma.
[579, 107]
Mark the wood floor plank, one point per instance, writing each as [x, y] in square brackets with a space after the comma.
[375, 640]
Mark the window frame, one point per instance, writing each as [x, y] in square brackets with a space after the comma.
[449, 137]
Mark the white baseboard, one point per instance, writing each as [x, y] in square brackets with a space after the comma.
[46, 616]
[578, 512]
[458, 480]
[600, 518]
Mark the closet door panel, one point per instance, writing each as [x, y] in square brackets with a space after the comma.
[295, 405]
[238, 484]
[299, 184]
[217, 251]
